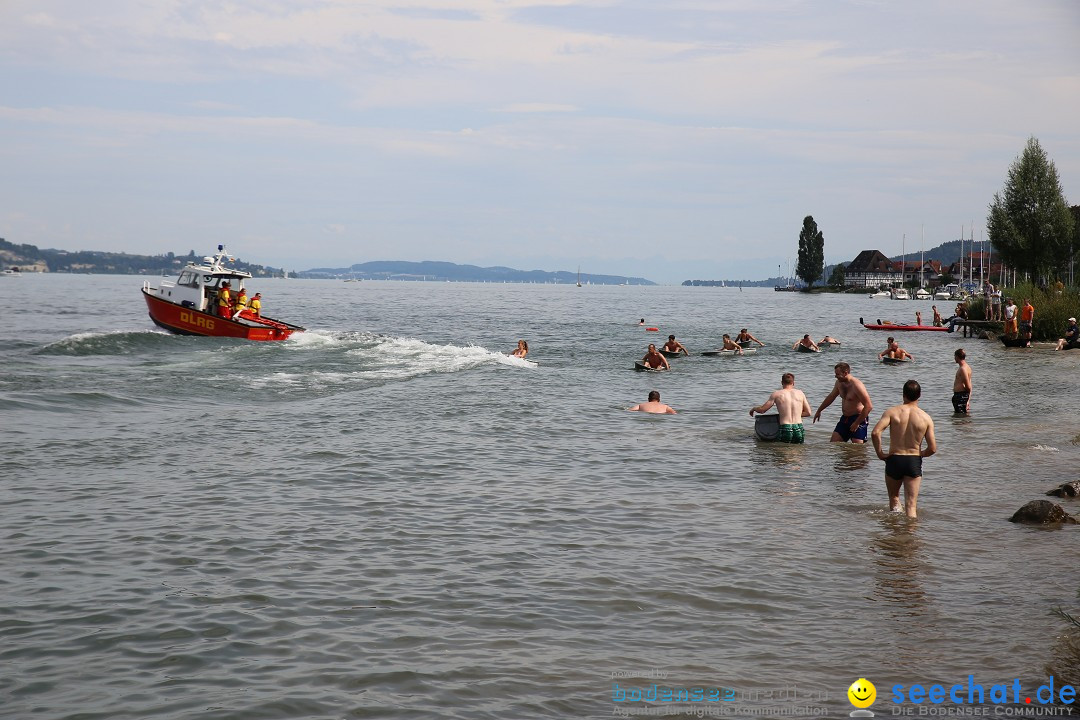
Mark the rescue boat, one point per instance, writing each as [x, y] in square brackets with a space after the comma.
[187, 305]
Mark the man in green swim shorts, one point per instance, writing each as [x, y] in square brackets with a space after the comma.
[792, 407]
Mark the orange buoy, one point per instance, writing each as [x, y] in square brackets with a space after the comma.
[652, 329]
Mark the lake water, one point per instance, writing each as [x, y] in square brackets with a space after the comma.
[386, 517]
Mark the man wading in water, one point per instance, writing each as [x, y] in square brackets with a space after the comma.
[908, 424]
[855, 406]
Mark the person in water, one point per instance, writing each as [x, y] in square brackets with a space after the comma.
[855, 409]
[655, 360]
[829, 340]
[807, 343]
[744, 338]
[961, 386]
[908, 427]
[654, 405]
[673, 345]
[894, 351]
[792, 406]
[521, 350]
[730, 344]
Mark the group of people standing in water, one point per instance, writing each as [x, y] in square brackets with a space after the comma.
[910, 428]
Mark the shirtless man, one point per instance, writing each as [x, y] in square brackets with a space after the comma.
[654, 405]
[792, 406]
[730, 344]
[908, 425]
[807, 343]
[673, 345]
[829, 340]
[655, 360]
[744, 338]
[894, 351]
[855, 406]
[961, 384]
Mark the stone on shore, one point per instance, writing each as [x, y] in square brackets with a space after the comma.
[1042, 512]
[1069, 489]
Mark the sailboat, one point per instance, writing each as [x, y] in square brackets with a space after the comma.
[579, 276]
[922, 293]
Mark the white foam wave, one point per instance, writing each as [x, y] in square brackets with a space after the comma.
[1045, 448]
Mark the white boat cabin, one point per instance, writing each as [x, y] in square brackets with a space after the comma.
[199, 283]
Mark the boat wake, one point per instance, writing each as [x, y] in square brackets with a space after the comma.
[322, 360]
[116, 342]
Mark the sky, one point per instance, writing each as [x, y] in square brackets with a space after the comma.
[674, 140]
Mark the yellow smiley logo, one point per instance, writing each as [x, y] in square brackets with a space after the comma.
[862, 693]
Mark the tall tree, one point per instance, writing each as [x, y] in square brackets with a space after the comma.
[1030, 224]
[811, 265]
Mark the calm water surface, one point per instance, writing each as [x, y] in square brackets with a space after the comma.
[386, 517]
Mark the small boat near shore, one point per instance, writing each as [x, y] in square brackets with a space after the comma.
[901, 328]
[184, 306]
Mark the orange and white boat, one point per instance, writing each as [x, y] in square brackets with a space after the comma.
[187, 305]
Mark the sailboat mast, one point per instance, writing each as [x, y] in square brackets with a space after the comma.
[922, 257]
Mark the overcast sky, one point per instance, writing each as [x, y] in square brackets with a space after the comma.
[669, 139]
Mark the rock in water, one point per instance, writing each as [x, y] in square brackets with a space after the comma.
[1069, 489]
[1042, 512]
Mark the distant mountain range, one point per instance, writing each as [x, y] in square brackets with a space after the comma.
[30, 258]
[446, 271]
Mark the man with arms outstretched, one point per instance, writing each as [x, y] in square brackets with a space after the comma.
[908, 425]
[855, 406]
[792, 406]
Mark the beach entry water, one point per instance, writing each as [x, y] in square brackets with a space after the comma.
[385, 516]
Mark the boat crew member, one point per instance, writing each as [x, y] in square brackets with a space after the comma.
[224, 301]
[241, 300]
[256, 305]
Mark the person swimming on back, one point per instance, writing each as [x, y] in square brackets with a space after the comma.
[673, 345]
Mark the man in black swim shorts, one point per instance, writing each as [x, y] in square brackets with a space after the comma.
[908, 426]
[961, 397]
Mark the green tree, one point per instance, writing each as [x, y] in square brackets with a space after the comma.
[1030, 224]
[837, 278]
[811, 264]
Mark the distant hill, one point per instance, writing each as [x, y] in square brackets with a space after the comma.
[948, 252]
[443, 271]
[30, 258]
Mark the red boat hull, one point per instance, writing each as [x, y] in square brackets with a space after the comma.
[901, 328]
[188, 321]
